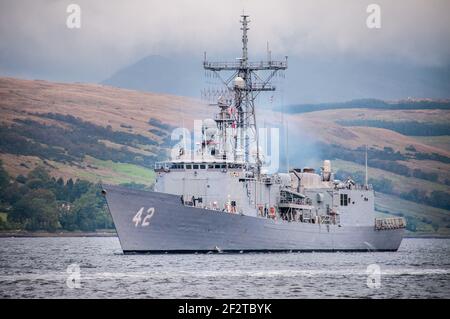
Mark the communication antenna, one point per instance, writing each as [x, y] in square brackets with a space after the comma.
[287, 144]
[244, 85]
[367, 176]
[366, 180]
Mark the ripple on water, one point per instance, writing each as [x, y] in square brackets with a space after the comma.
[36, 268]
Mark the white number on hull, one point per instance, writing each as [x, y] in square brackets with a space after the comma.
[150, 213]
[138, 217]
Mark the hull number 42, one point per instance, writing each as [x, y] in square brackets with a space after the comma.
[143, 221]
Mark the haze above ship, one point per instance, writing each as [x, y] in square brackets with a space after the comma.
[333, 55]
[311, 79]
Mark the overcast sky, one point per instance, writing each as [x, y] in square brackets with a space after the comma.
[35, 42]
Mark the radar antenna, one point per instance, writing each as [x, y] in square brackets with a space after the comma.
[246, 82]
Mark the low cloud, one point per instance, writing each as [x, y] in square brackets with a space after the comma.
[35, 42]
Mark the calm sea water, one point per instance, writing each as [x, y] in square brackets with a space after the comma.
[37, 268]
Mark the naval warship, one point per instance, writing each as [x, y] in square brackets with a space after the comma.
[218, 197]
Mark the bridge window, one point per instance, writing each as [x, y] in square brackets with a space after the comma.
[344, 199]
[188, 166]
[202, 166]
[195, 166]
[210, 166]
[217, 166]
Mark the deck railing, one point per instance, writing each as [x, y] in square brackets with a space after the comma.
[390, 223]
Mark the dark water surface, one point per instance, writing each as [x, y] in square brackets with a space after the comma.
[37, 268]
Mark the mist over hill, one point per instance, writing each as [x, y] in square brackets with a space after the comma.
[308, 79]
[156, 73]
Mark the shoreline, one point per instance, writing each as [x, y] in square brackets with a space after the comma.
[112, 233]
[64, 234]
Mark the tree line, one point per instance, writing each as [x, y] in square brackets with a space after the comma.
[41, 202]
[367, 103]
[411, 128]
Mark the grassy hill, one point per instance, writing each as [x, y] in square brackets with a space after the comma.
[412, 169]
[426, 219]
[95, 132]
[88, 131]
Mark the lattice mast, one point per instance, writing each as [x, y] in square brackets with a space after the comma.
[244, 84]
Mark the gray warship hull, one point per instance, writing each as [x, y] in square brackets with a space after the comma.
[152, 222]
